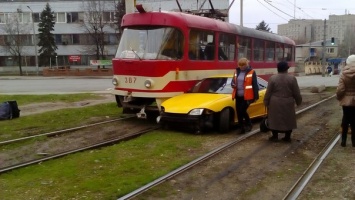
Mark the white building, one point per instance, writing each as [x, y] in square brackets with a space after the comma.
[72, 38]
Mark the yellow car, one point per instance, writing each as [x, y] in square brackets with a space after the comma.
[209, 105]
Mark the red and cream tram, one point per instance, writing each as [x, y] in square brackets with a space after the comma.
[162, 54]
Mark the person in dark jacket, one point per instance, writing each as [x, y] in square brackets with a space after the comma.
[245, 91]
[282, 93]
[345, 94]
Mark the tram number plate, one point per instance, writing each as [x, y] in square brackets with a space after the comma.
[130, 79]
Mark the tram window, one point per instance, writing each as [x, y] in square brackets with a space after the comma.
[244, 48]
[270, 51]
[279, 52]
[201, 46]
[151, 43]
[226, 50]
[288, 53]
[258, 50]
[209, 51]
[172, 46]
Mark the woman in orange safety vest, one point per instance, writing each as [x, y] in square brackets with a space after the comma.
[245, 91]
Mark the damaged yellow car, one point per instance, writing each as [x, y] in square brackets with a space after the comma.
[209, 105]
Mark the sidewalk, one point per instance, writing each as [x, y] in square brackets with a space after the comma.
[317, 80]
[303, 81]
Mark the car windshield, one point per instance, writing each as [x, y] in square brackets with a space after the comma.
[220, 85]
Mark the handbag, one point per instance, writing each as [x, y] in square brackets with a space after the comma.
[264, 126]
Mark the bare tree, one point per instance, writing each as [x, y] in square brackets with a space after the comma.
[17, 36]
[99, 18]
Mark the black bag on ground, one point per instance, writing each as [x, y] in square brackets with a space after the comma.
[9, 110]
[264, 126]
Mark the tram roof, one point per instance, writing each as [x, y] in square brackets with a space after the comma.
[185, 20]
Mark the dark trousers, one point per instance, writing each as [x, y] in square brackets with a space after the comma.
[241, 106]
[348, 118]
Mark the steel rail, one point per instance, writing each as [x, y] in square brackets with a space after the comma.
[104, 143]
[298, 187]
[62, 131]
[203, 158]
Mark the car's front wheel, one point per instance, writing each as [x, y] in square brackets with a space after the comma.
[224, 121]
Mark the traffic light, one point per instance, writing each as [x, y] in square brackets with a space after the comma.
[332, 41]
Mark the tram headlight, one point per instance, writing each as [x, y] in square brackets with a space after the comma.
[115, 81]
[148, 83]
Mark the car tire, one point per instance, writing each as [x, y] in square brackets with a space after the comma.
[224, 121]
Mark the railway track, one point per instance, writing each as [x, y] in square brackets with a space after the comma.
[115, 138]
[204, 162]
[53, 133]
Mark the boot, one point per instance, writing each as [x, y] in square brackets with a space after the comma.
[343, 139]
[274, 136]
[344, 134]
[248, 127]
[287, 137]
[242, 129]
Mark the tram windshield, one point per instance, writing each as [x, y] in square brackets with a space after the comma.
[151, 43]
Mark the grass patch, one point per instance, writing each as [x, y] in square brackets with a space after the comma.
[55, 120]
[67, 98]
[108, 173]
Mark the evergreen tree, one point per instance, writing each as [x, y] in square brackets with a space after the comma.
[120, 12]
[46, 38]
[262, 26]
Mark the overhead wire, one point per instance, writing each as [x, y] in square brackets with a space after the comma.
[276, 8]
[273, 11]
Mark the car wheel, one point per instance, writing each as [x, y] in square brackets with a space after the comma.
[224, 121]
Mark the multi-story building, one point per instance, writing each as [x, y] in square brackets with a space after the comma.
[71, 35]
[310, 30]
[75, 46]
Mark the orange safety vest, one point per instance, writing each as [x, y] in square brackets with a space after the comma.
[248, 85]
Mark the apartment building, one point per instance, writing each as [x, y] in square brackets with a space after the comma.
[71, 37]
[310, 30]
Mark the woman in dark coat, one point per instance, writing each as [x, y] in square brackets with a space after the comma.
[281, 95]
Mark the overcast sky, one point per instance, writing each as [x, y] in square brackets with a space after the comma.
[275, 12]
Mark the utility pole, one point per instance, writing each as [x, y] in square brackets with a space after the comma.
[241, 12]
[323, 52]
[34, 40]
[294, 9]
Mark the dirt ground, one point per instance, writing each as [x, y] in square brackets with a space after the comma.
[257, 168]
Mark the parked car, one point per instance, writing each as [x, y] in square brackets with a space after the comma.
[208, 104]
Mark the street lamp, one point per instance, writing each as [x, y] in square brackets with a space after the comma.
[34, 39]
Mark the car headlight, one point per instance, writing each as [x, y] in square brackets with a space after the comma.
[115, 81]
[196, 111]
[148, 83]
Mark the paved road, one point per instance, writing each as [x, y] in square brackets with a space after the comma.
[60, 85]
[317, 80]
[54, 85]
